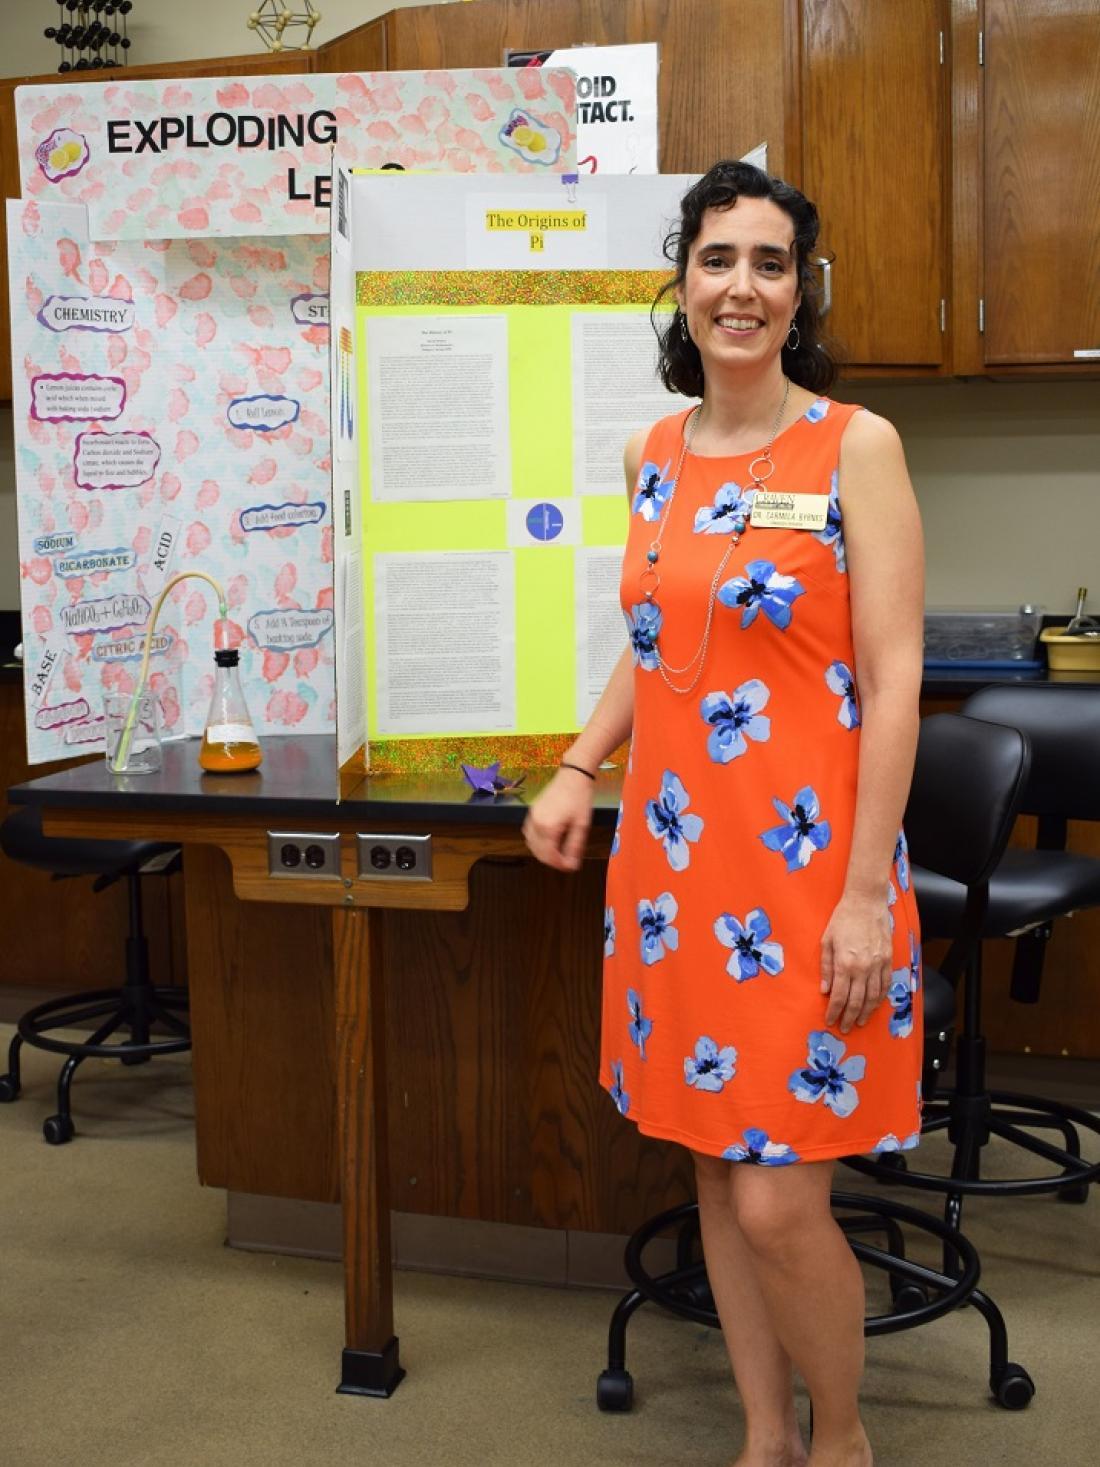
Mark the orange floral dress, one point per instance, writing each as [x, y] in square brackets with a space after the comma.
[733, 839]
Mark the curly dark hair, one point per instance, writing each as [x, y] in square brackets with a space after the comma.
[812, 364]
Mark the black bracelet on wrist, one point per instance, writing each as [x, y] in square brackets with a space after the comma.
[587, 773]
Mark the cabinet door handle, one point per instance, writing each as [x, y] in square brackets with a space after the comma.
[825, 264]
[1088, 353]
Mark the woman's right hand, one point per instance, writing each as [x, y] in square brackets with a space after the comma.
[557, 824]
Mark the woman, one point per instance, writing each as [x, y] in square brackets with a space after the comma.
[761, 941]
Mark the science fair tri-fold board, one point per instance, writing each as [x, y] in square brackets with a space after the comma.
[170, 329]
[499, 352]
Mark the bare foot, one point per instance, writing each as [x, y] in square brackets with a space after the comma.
[788, 1456]
[854, 1453]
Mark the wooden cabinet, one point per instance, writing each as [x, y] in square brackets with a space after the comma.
[874, 126]
[950, 191]
[1041, 178]
[724, 82]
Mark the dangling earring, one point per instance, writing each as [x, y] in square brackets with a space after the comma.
[684, 332]
[793, 345]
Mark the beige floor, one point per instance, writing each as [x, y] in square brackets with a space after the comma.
[134, 1338]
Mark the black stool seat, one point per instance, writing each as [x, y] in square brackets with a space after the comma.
[1028, 887]
[22, 839]
[136, 1006]
[939, 1000]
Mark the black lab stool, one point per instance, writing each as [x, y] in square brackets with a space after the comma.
[968, 782]
[133, 1008]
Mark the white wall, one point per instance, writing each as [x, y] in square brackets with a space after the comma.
[1008, 478]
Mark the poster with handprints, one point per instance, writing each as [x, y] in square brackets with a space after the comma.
[252, 155]
[172, 414]
[171, 386]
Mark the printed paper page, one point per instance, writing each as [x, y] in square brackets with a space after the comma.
[616, 391]
[438, 407]
[445, 642]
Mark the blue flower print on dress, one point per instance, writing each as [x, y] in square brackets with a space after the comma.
[759, 1150]
[658, 934]
[710, 1068]
[751, 951]
[651, 490]
[609, 932]
[840, 679]
[801, 833]
[618, 1094]
[904, 983]
[668, 823]
[901, 861]
[891, 902]
[890, 1142]
[729, 512]
[833, 533]
[644, 626]
[640, 1027]
[817, 410]
[618, 827]
[828, 1076]
[735, 717]
[762, 588]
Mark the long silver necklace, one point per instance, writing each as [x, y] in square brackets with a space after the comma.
[759, 478]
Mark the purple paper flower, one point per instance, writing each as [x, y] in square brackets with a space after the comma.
[489, 781]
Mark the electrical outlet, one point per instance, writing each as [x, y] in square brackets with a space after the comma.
[395, 857]
[303, 854]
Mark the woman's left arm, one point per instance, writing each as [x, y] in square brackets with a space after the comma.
[885, 556]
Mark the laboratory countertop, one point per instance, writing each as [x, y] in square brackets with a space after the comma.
[297, 781]
[298, 778]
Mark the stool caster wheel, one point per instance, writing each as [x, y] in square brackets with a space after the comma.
[615, 1390]
[1078, 1192]
[1013, 1387]
[9, 1088]
[699, 1294]
[133, 1059]
[908, 1296]
[58, 1129]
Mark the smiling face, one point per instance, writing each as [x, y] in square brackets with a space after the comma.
[740, 287]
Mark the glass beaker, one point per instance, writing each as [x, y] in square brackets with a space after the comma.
[133, 733]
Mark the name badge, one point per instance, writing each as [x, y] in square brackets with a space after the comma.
[774, 511]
